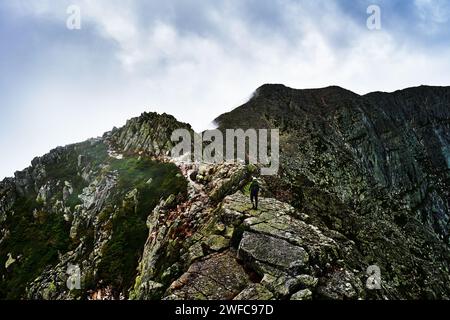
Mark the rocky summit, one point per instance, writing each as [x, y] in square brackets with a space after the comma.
[363, 184]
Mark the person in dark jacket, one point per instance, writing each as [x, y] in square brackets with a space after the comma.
[254, 190]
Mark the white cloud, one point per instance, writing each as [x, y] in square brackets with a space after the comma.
[433, 14]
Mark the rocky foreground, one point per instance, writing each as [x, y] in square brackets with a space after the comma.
[364, 180]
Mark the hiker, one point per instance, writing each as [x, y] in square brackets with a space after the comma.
[254, 190]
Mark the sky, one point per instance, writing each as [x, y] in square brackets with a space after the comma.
[195, 59]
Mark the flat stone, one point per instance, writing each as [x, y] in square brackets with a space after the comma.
[195, 252]
[254, 291]
[283, 285]
[216, 277]
[304, 294]
[217, 242]
[307, 281]
[275, 252]
[340, 284]
[283, 226]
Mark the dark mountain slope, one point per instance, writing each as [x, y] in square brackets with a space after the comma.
[373, 167]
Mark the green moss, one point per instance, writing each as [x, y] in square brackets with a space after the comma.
[36, 241]
[129, 231]
[246, 189]
[105, 214]
[251, 168]
[135, 292]
[217, 242]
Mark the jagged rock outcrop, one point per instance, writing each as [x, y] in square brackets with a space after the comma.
[150, 134]
[84, 205]
[363, 181]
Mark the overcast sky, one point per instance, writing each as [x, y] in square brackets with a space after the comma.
[195, 59]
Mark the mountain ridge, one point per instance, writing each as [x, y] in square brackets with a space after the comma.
[363, 181]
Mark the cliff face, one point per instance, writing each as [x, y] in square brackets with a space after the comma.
[375, 168]
[364, 180]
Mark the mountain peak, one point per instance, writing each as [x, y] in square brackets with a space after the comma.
[270, 88]
[149, 133]
[279, 101]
